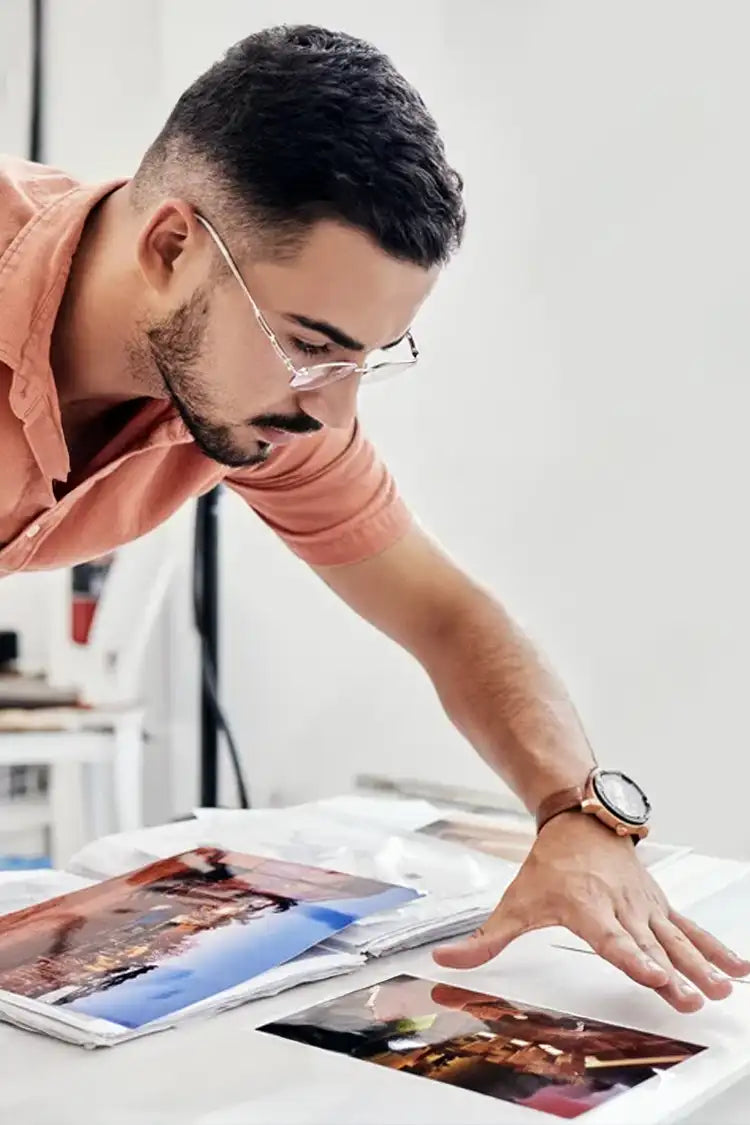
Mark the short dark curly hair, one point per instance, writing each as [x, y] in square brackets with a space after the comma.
[298, 124]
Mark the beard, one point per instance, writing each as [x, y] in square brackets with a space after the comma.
[175, 348]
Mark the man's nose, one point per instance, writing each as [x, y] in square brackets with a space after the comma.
[334, 404]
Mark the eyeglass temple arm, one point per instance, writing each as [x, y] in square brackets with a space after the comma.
[412, 345]
[240, 279]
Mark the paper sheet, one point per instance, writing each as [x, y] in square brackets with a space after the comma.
[726, 914]
[19, 889]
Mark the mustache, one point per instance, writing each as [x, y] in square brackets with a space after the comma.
[293, 423]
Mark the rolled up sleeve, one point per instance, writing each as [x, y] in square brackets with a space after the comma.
[328, 496]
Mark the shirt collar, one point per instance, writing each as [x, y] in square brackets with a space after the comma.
[33, 273]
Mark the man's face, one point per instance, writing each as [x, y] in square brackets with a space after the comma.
[214, 360]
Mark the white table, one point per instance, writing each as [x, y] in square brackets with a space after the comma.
[221, 1072]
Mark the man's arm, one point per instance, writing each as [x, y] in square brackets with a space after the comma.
[491, 682]
[499, 694]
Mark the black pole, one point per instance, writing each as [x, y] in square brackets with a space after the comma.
[35, 123]
[207, 551]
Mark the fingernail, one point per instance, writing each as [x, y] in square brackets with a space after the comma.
[654, 966]
[688, 990]
[718, 977]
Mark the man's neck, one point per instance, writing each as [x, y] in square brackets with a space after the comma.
[91, 353]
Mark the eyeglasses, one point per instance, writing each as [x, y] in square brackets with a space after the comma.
[320, 374]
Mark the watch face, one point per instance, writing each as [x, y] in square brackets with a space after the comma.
[622, 796]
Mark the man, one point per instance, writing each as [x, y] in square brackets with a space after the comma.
[212, 319]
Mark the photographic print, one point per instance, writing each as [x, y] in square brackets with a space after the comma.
[561, 1064]
[509, 842]
[144, 945]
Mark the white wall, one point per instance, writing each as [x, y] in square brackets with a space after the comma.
[15, 75]
[582, 407]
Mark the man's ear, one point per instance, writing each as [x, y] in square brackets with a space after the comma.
[164, 245]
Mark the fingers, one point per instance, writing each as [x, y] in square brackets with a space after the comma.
[682, 996]
[688, 959]
[711, 948]
[485, 943]
[677, 992]
[609, 938]
[640, 955]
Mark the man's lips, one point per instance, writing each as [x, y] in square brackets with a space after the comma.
[273, 436]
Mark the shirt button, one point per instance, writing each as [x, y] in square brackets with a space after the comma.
[33, 531]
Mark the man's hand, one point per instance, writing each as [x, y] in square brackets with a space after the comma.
[582, 876]
[512, 709]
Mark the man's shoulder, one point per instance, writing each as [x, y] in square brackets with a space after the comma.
[42, 213]
[26, 189]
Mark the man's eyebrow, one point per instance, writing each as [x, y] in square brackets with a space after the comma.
[337, 335]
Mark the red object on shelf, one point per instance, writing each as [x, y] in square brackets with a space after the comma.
[84, 609]
[87, 581]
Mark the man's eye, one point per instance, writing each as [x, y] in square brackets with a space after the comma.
[306, 348]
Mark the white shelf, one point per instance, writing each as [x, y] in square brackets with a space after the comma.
[24, 815]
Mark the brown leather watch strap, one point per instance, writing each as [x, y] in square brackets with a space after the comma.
[564, 800]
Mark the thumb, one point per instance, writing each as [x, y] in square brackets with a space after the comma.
[481, 946]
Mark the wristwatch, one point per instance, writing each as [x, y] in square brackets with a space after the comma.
[610, 796]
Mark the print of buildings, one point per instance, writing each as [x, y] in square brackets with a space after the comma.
[561, 1063]
[97, 938]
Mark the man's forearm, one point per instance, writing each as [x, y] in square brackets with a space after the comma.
[510, 706]
[491, 682]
